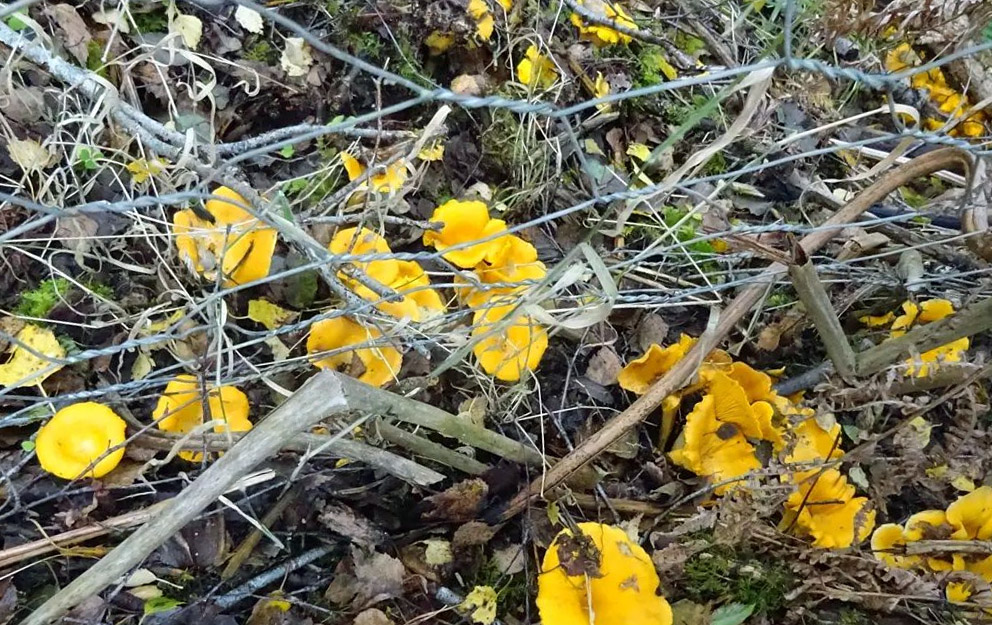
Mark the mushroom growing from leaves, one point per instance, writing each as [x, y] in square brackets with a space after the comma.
[638, 376]
[598, 34]
[464, 221]
[824, 507]
[356, 349]
[536, 70]
[236, 242]
[388, 181]
[597, 574]
[180, 410]
[969, 518]
[926, 312]
[507, 343]
[77, 440]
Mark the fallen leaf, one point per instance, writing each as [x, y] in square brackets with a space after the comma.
[482, 602]
[296, 58]
[249, 19]
[279, 350]
[76, 233]
[639, 151]
[916, 437]
[142, 366]
[472, 534]
[30, 155]
[459, 502]
[75, 36]
[143, 169]
[963, 483]
[141, 577]
[686, 612]
[24, 105]
[190, 29]
[150, 591]
[732, 614]
[268, 314]
[509, 560]
[604, 366]
[437, 552]
[8, 601]
[372, 616]
[474, 410]
[25, 368]
[112, 18]
[468, 84]
[342, 520]
[651, 331]
[364, 578]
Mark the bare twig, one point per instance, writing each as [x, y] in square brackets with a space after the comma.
[818, 306]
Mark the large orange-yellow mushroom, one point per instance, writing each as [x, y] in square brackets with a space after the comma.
[597, 575]
[243, 244]
[824, 507]
[358, 351]
[638, 376]
[971, 515]
[419, 301]
[362, 241]
[76, 440]
[507, 343]
[180, 410]
[464, 221]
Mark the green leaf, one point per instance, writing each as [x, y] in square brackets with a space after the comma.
[161, 604]
[732, 614]
[27, 446]
[287, 151]
[15, 23]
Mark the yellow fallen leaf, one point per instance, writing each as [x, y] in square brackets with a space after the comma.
[482, 602]
[143, 169]
[938, 471]
[268, 314]
[25, 368]
[963, 483]
[142, 366]
[432, 152]
[190, 28]
[639, 151]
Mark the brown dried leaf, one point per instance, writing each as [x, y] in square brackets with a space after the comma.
[373, 616]
[75, 36]
[604, 366]
[459, 502]
[342, 520]
[651, 331]
[472, 534]
[365, 578]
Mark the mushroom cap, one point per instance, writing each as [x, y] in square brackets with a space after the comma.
[364, 241]
[381, 363]
[79, 435]
[825, 508]
[247, 244]
[619, 586]
[812, 442]
[598, 34]
[709, 449]
[180, 410]
[971, 515]
[506, 351]
[420, 302]
[392, 179]
[536, 70]
[638, 376]
[885, 544]
[464, 222]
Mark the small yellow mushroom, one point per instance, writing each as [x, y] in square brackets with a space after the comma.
[536, 69]
[358, 351]
[507, 351]
[180, 410]
[76, 440]
[390, 180]
[464, 222]
[598, 34]
[825, 508]
[243, 244]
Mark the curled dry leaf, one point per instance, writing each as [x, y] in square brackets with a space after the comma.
[249, 19]
[296, 59]
[75, 36]
[30, 155]
[364, 578]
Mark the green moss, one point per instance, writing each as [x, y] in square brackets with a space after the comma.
[261, 51]
[156, 21]
[94, 59]
[653, 67]
[720, 575]
[365, 44]
[40, 301]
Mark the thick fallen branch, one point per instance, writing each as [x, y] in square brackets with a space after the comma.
[681, 373]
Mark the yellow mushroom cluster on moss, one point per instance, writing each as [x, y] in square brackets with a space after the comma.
[949, 102]
[913, 315]
[597, 574]
[737, 413]
[182, 409]
[598, 34]
[235, 242]
[969, 518]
